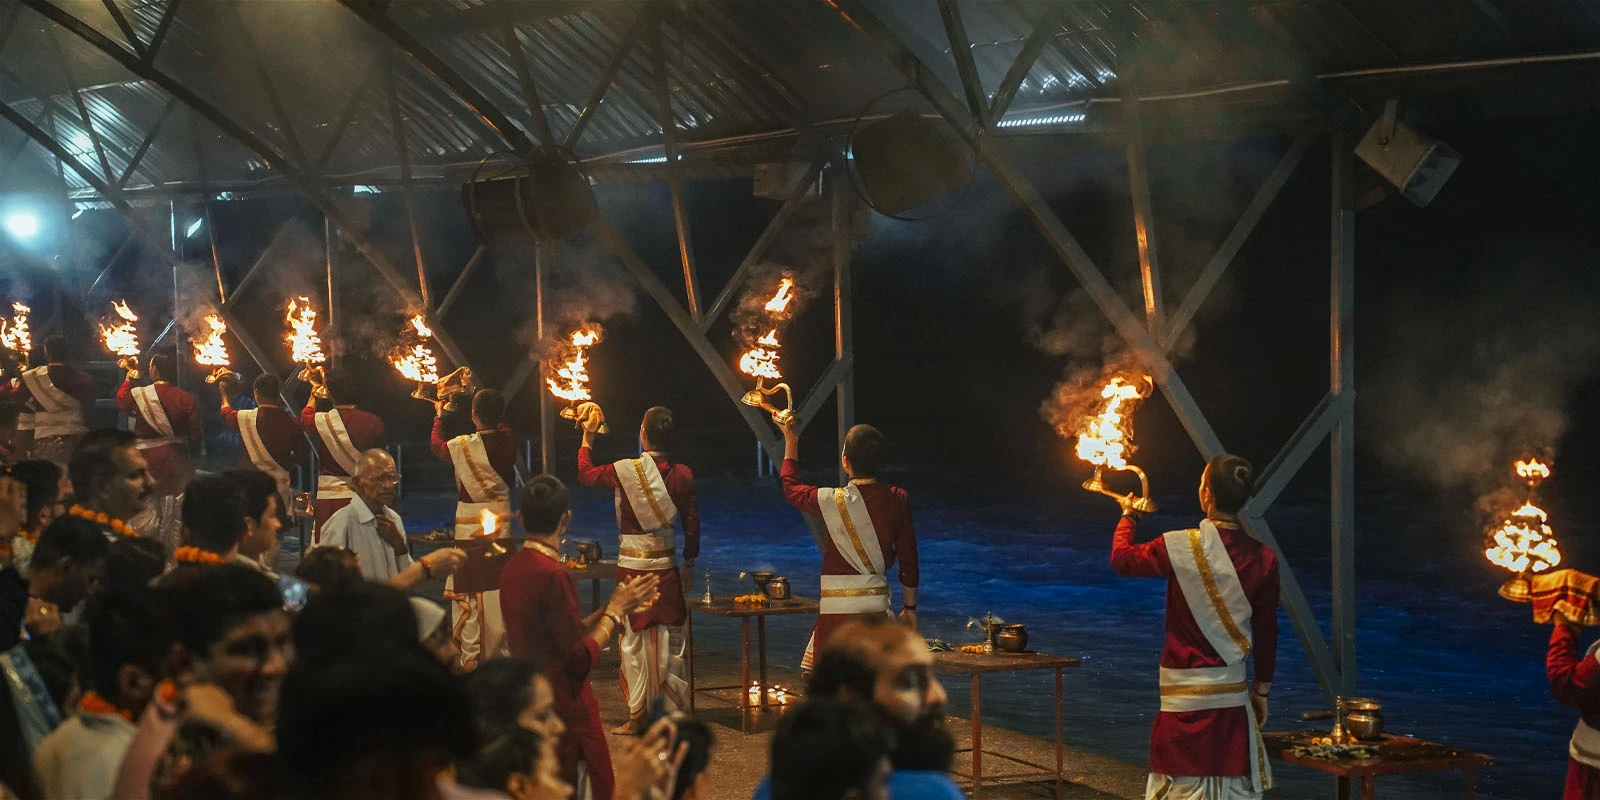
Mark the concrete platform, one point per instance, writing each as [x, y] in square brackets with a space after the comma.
[739, 761]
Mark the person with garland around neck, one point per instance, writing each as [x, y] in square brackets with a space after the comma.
[110, 481]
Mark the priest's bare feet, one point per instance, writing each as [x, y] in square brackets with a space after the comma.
[631, 727]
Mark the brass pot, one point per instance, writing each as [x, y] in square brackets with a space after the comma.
[1363, 718]
[778, 588]
[588, 551]
[1012, 638]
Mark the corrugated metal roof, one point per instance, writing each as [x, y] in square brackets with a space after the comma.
[736, 70]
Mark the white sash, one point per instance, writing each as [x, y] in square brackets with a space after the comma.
[469, 518]
[647, 493]
[1585, 745]
[1212, 590]
[59, 414]
[330, 427]
[333, 487]
[259, 455]
[650, 551]
[475, 473]
[844, 512]
[149, 405]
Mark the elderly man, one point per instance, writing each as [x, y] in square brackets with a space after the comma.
[167, 423]
[368, 525]
[886, 665]
[109, 476]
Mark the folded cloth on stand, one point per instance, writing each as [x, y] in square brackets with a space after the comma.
[1565, 595]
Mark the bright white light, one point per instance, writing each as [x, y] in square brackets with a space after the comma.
[22, 225]
[363, 188]
[194, 227]
[1056, 119]
[81, 144]
[650, 160]
[77, 213]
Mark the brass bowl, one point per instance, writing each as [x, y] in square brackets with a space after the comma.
[1366, 726]
[1012, 638]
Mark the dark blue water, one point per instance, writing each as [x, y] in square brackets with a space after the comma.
[1450, 661]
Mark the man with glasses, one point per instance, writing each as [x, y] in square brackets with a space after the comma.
[369, 526]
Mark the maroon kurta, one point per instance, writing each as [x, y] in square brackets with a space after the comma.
[366, 433]
[679, 479]
[1214, 743]
[169, 463]
[279, 432]
[542, 624]
[499, 444]
[1575, 683]
[890, 510]
[74, 382]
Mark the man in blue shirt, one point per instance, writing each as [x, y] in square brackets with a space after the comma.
[882, 663]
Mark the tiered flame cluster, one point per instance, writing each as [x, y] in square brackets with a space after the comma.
[305, 344]
[121, 337]
[1523, 543]
[760, 360]
[414, 358]
[570, 378]
[1105, 439]
[211, 351]
[14, 333]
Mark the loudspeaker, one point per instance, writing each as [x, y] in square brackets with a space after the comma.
[1417, 164]
[540, 201]
[904, 160]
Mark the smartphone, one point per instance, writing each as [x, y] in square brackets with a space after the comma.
[295, 593]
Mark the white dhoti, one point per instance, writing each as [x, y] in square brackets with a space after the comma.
[653, 663]
[476, 625]
[1178, 787]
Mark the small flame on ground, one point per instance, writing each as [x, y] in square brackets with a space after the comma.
[1524, 542]
[305, 343]
[1105, 439]
[212, 351]
[121, 339]
[14, 333]
[776, 695]
[780, 301]
[571, 379]
[415, 362]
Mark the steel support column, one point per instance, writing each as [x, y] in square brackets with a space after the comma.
[1155, 313]
[543, 259]
[669, 143]
[844, 328]
[1342, 377]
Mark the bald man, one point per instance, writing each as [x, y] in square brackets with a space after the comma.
[369, 525]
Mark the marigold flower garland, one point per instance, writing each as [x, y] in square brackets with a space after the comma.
[116, 525]
[194, 555]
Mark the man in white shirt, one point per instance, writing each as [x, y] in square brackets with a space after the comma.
[368, 526]
[128, 639]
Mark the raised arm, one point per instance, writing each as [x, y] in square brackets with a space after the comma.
[1137, 560]
[439, 443]
[1574, 678]
[308, 415]
[125, 397]
[799, 494]
[591, 474]
[230, 415]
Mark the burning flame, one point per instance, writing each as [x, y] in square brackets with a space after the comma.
[489, 521]
[776, 695]
[1524, 542]
[1105, 440]
[14, 333]
[571, 379]
[415, 361]
[211, 351]
[780, 301]
[761, 361]
[303, 339]
[121, 339]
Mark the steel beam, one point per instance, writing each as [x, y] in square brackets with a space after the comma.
[603, 83]
[840, 196]
[543, 259]
[122, 24]
[1236, 238]
[398, 123]
[530, 90]
[669, 143]
[858, 15]
[961, 51]
[144, 145]
[1155, 313]
[77, 100]
[461, 280]
[759, 249]
[817, 396]
[346, 117]
[279, 110]
[106, 270]
[1342, 378]
[1043, 31]
[260, 262]
[154, 48]
[1293, 455]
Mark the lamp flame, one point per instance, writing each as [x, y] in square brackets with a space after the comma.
[212, 351]
[122, 339]
[776, 695]
[761, 361]
[14, 333]
[1106, 439]
[1524, 542]
[489, 521]
[304, 342]
[571, 379]
[415, 361]
[780, 301]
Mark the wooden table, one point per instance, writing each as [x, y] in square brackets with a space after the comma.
[1397, 755]
[977, 665]
[606, 570]
[725, 607]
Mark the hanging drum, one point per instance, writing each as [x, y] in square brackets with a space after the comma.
[534, 201]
